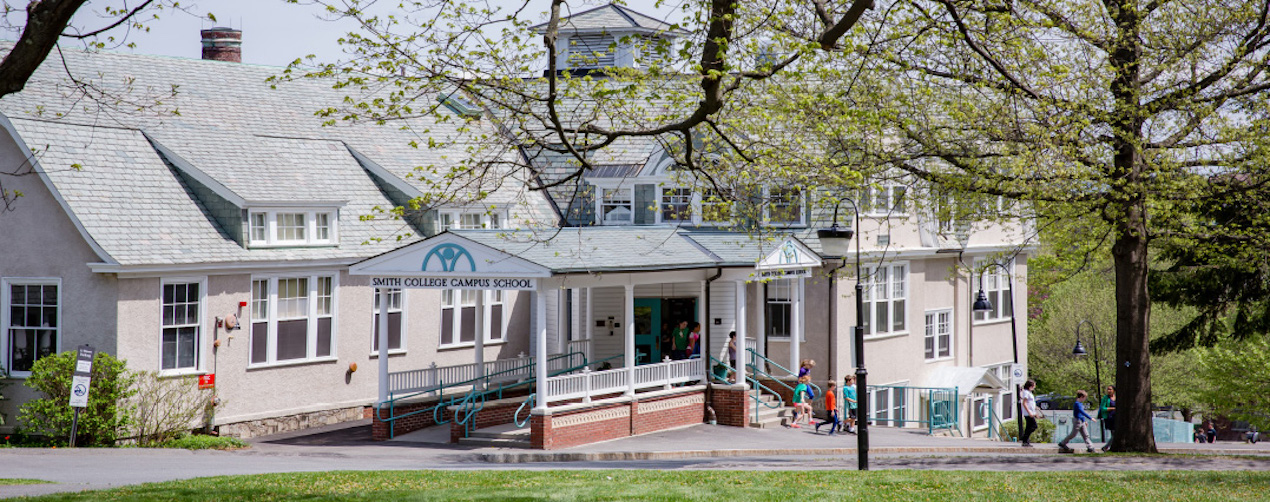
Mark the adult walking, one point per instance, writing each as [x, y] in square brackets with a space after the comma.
[1107, 414]
[1030, 413]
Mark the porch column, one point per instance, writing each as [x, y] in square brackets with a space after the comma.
[741, 356]
[575, 333]
[540, 356]
[383, 345]
[760, 337]
[482, 320]
[630, 339]
[589, 322]
[795, 324]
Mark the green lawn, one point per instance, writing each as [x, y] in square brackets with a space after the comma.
[804, 486]
[4, 481]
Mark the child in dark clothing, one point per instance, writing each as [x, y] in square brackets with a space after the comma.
[1080, 425]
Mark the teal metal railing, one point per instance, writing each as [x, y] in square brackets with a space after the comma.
[474, 402]
[754, 368]
[480, 385]
[943, 406]
[754, 382]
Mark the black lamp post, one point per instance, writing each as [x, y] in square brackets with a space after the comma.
[1079, 350]
[835, 241]
[982, 305]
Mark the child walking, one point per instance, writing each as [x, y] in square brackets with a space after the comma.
[1080, 425]
[848, 402]
[802, 401]
[831, 408]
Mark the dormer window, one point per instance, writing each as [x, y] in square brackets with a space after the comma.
[785, 207]
[616, 206]
[469, 220]
[291, 227]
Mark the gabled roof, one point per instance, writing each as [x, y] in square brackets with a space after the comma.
[611, 18]
[966, 380]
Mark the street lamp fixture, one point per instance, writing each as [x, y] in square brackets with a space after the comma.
[983, 305]
[836, 241]
[1079, 350]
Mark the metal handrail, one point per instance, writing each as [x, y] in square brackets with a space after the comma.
[438, 410]
[516, 416]
[780, 402]
[465, 406]
[754, 366]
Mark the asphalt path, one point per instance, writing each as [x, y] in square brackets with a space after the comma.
[348, 448]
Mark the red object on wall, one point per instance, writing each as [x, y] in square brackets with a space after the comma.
[207, 381]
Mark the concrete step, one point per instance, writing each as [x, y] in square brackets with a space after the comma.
[495, 442]
[769, 418]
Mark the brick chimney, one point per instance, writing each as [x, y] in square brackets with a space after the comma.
[223, 44]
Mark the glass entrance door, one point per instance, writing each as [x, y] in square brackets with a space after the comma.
[647, 330]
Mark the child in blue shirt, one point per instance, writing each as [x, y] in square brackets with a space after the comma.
[1080, 425]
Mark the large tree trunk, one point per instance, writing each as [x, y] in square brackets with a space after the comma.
[1134, 431]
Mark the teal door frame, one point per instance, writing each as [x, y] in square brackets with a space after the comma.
[647, 333]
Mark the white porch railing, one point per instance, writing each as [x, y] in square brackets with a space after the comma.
[497, 371]
[587, 384]
[577, 346]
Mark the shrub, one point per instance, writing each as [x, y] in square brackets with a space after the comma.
[201, 442]
[101, 423]
[1044, 430]
[3, 384]
[165, 408]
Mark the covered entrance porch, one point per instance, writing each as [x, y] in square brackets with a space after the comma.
[609, 353]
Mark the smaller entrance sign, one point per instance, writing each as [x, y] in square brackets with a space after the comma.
[790, 259]
[456, 283]
[81, 379]
[207, 381]
[1017, 374]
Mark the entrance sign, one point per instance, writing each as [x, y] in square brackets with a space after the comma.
[455, 283]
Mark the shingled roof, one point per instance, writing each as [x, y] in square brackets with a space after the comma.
[609, 18]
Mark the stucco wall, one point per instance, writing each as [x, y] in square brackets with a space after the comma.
[38, 240]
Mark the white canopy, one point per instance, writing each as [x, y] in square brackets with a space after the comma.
[965, 380]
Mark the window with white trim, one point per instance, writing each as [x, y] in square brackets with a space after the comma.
[676, 205]
[888, 406]
[778, 308]
[995, 285]
[32, 319]
[979, 411]
[883, 199]
[1007, 406]
[395, 320]
[617, 206]
[293, 318]
[885, 299]
[182, 319]
[469, 220]
[784, 206]
[291, 227]
[715, 209]
[938, 334]
[458, 317]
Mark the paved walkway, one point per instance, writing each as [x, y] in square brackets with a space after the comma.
[349, 447]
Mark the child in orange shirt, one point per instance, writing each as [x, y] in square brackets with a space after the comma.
[831, 406]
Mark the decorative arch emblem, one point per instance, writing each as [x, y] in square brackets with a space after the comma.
[789, 253]
[449, 255]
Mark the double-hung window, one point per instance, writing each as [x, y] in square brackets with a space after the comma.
[616, 206]
[995, 285]
[676, 205]
[395, 321]
[292, 318]
[785, 206]
[885, 299]
[938, 334]
[888, 406]
[884, 199]
[715, 210]
[778, 308]
[31, 319]
[458, 317]
[291, 227]
[181, 341]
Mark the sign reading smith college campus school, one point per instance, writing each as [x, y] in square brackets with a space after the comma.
[449, 261]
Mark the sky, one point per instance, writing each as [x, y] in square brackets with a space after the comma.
[276, 33]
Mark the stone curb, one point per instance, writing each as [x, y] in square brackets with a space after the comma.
[533, 457]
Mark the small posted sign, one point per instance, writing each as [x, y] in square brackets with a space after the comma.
[81, 380]
[207, 381]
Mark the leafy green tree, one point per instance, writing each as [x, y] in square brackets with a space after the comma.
[1239, 374]
[101, 423]
[1109, 117]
